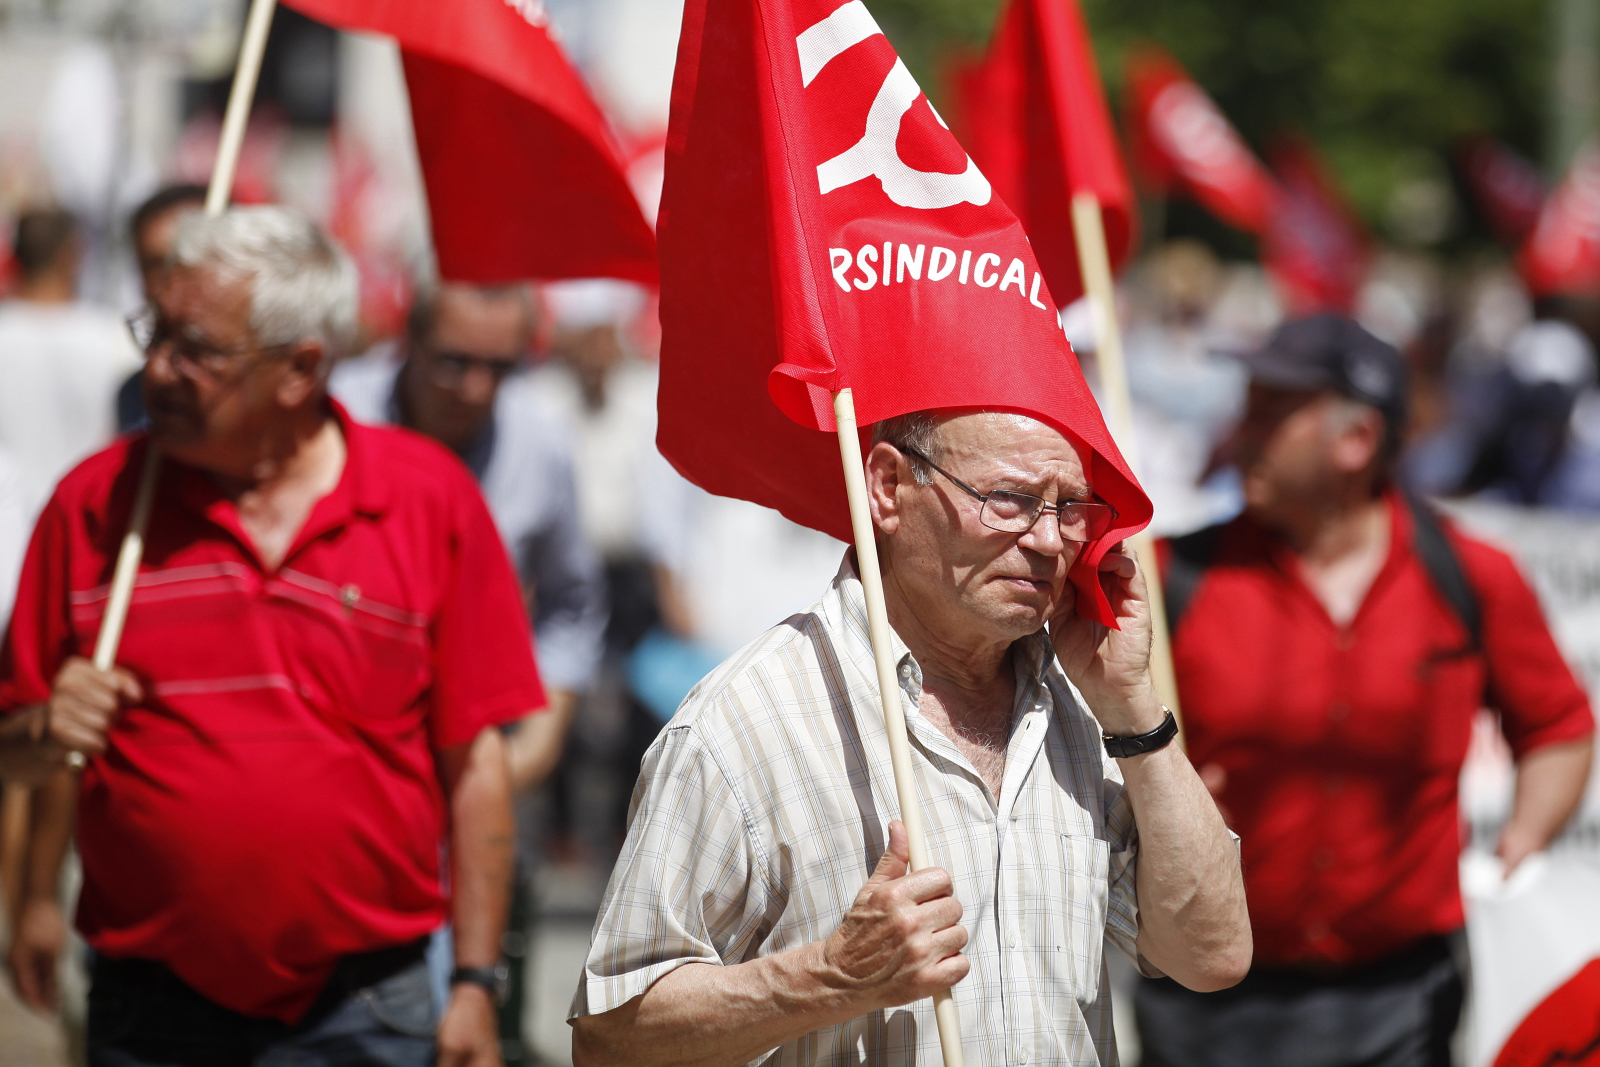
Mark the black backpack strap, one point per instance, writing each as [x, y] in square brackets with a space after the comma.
[1191, 555]
[1444, 568]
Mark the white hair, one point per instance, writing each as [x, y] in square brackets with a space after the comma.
[918, 430]
[302, 284]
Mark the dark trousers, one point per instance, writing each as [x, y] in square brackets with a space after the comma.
[1398, 1012]
[376, 1011]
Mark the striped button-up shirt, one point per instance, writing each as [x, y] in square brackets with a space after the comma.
[763, 807]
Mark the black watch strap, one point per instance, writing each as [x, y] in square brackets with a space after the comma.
[495, 979]
[1139, 744]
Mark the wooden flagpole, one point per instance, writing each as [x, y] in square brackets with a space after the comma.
[894, 717]
[217, 196]
[1094, 262]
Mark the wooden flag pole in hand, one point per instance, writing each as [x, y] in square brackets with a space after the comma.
[894, 716]
[1094, 262]
[217, 196]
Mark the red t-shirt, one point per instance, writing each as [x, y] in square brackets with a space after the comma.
[1343, 745]
[274, 803]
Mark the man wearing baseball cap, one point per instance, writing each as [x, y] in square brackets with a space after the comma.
[1333, 645]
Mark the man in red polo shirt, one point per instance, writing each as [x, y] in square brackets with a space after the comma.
[323, 637]
[1334, 645]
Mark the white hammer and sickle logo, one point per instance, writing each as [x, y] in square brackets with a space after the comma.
[875, 153]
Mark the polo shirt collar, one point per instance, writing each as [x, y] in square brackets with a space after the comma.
[358, 492]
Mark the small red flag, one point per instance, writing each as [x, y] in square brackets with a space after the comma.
[1508, 188]
[524, 178]
[1181, 139]
[1562, 254]
[822, 229]
[1315, 247]
[1036, 122]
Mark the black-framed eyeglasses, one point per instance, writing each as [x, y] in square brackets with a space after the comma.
[448, 370]
[192, 354]
[1009, 511]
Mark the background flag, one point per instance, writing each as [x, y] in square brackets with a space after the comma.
[1181, 140]
[1036, 122]
[821, 228]
[1315, 247]
[1507, 187]
[524, 178]
[1562, 254]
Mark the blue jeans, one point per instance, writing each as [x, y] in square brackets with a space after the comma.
[370, 1015]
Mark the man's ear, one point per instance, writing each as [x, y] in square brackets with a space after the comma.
[305, 373]
[887, 469]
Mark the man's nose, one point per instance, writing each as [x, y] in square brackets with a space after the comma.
[478, 386]
[1044, 536]
[159, 368]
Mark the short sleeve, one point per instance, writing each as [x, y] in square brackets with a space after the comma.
[1530, 684]
[691, 885]
[483, 665]
[1122, 901]
[40, 636]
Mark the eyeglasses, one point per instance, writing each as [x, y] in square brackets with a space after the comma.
[448, 370]
[191, 355]
[1012, 512]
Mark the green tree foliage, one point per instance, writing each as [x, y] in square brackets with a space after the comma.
[1385, 88]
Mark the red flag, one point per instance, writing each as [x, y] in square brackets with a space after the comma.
[1181, 139]
[1562, 254]
[820, 228]
[1037, 124]
[1315, 247]
[1509, 189]
[524, 178]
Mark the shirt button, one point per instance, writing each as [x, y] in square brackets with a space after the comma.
[1013, 941]
[1339, 711]
[1022, 1057]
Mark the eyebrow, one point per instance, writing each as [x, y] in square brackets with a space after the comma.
[1083, 493]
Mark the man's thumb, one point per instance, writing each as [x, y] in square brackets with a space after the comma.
[896, 858]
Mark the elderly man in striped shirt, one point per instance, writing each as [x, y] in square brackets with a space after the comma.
[762, 911]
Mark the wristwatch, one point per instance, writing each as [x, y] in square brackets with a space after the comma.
[496, 979]
[1137, 745]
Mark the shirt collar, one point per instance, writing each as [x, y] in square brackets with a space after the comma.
[358, 492]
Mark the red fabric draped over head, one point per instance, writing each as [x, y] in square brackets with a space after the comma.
[820, 228]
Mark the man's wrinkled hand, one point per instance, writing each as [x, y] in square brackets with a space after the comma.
[84, 702]
[468, 1032]
[1111, 668]
[37, 941]
[901, 941]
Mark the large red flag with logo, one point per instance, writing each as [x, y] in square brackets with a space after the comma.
[1036, 123]
[524, 178]
[1562, 254]
[1315, 247]
[1182, 140]
[820, 229]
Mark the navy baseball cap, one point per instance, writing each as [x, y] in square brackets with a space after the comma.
[1334, 352]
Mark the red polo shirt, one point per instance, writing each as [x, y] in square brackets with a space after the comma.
[274, 803]
[1343, 745]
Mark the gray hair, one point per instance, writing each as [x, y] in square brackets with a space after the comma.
[302, 284]
[915, 429]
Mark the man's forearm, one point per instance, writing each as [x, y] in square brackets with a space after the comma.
[483, 850]
[26, 756]
[1550, 785]
[50, 825]
[533, 747]
[1193, 922]
[703, 1015]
